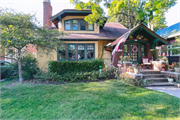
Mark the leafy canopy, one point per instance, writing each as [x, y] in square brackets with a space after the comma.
[129, 12]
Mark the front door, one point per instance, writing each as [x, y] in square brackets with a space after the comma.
[134, 51]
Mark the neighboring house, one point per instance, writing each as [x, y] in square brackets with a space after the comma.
[170, 33]
[10, 55]
[85, 41]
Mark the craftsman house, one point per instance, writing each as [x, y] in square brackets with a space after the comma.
[85, 41]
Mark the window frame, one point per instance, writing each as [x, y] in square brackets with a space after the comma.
[84, 52]
[70, 25]
[73, 23]
[80, 25]
[65, 54]
[93, 52]
[87, 27]
[75, 52]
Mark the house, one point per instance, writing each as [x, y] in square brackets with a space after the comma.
[170, 33]
[85, 41]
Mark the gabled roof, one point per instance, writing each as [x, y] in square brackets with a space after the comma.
[140, 27]
[69, 11]
[169, 31]
[110, 31]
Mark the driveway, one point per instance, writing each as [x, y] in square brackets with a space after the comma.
[167, 89]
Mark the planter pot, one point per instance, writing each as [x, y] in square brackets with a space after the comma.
[177, 84]
[136, 71]
[164, 69]
[131, 70]
[177, 69]
[170, 80]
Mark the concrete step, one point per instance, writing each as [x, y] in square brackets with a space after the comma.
[160, 84]
[149, 72]
[146, 76]
[157, 79]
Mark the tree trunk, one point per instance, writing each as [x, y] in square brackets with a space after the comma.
[129, 17]
[20, 66]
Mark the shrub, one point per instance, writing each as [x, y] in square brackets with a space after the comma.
[62, 67]
[29, 68]
[73, 76]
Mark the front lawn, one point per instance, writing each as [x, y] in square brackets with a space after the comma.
[95, 100]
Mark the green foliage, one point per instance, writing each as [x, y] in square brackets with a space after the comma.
[129, 12]
[62, 67]
[72, 76]
[97, 11]
[129, 80]
[18, 30]
[29, 68]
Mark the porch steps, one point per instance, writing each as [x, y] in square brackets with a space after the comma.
[155, 78]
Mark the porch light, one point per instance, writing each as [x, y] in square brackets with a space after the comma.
[139, 37]
[135, 40]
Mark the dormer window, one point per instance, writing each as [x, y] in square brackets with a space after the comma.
[82, 25]
[77, 25]
[68, 25]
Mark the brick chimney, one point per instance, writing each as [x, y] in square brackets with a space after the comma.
[47, 13]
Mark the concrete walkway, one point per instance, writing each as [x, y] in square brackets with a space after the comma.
[167, 89]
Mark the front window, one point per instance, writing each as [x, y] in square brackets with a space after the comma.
[68, 25]
[82, 25]
[72, 52]
[62, 53]
[81, 52]
[90, 51]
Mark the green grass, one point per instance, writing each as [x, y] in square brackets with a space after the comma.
[95, 100]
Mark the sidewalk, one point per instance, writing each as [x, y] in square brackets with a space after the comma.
[167, 89]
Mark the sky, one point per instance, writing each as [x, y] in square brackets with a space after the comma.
[36, 7]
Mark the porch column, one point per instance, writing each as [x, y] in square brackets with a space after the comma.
[148, 54]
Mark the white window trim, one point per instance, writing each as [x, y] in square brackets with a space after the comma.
[170, 46]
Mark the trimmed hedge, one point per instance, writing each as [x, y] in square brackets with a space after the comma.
[62, 67]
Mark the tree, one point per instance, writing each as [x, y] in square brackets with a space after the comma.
[17, 30]
[131, 12]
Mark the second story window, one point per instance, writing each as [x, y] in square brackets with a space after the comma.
[82, 25]
[90, 27]
[75, 24]
[67, 25]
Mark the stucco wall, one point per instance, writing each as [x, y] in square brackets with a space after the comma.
[96, 28]
[43, 58]
[106, 54]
